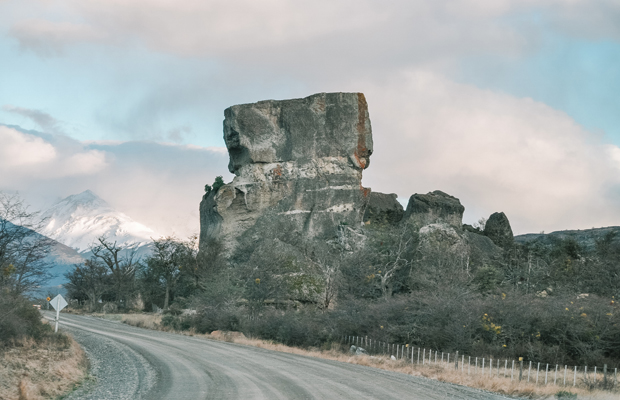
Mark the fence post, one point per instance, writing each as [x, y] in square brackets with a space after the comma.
[397, 352]
[457, 356]
[537, 371]
[418, 355]
[512, 370]
[476, 368]
[442, 357]
[423, 356]
[435, 356]
[585, 374]
[529, 371]
[546, 373]
[468, 365]
[575, 377]
[482, 366]
[505, 367]
[462, 364]
[595, 375]
[498, 367]
[555, 376]
[491, 367]
[520, 369]
[605, 375]
[456, 360]
[411, 355]
[565, 366]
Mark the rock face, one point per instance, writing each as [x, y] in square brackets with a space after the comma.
[434, 207]
[383, 209]
[498, 229]
[298, 166]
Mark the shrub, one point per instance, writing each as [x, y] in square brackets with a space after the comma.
[20, 320]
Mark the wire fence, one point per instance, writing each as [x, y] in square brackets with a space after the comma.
[589, 377]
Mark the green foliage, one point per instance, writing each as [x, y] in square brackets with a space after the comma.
[563, 394]
[20, 320]
[486, 279]
[217, 184]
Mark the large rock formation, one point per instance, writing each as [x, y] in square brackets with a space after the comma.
[498, 229]
[298, 166]
[383, 209]
[434, 207]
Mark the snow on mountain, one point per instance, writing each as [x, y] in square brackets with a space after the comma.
[80, 219]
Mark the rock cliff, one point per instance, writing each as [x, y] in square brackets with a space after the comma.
[298, 170]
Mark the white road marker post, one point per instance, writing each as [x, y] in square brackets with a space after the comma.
[58, 303]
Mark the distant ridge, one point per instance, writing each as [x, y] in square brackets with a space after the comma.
[586, 238]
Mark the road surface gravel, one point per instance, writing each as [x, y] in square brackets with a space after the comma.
[134, 363]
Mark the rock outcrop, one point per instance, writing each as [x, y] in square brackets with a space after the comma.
[432, 208]
[298, 169]
[497, 228]
[383, 209]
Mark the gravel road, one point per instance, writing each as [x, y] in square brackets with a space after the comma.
[134, 363]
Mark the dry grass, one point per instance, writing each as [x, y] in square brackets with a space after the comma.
[441, 372]
[148, 321]
[33, 371]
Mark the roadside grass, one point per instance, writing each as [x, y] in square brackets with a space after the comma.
[439, 372]
[43, 370]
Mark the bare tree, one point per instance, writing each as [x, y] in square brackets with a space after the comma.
[23, 252]
[167, 260]
[90, 281]
[121, 260]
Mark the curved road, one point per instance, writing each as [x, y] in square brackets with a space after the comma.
[134, 363]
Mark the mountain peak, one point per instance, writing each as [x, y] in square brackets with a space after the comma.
[78, 220]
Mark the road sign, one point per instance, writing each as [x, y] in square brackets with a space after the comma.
[58, 303]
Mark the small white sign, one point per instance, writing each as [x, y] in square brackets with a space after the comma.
[58, 303]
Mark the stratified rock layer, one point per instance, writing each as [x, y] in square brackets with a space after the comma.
[298, 166]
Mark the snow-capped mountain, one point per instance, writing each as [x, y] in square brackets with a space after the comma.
[80, 219]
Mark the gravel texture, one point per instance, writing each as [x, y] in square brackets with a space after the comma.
[134, 363]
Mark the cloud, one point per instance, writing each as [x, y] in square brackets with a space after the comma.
[45, 121]
[25, 156]
[47, 38]
[160, 185]
[494, 151]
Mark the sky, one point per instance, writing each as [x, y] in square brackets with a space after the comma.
[509, 105]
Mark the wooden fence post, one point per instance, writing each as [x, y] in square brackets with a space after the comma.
[565, 367]
[575, 377]
[520, 369]
[605, 375]
[456, 360]
[537, 371]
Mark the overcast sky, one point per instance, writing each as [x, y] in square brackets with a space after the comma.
[509, 105]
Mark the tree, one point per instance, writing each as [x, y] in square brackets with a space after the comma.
[89, 281]
[23, 252]
[121, 260]
[389, 252]
[166, 263]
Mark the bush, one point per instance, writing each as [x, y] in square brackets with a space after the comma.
[20, 320]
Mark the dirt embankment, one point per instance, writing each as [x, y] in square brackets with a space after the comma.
[32, 370]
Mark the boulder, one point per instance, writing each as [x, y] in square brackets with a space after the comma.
[497, 228]
[383, 209]
[359, 352]
[434, 207]
[298, 170]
